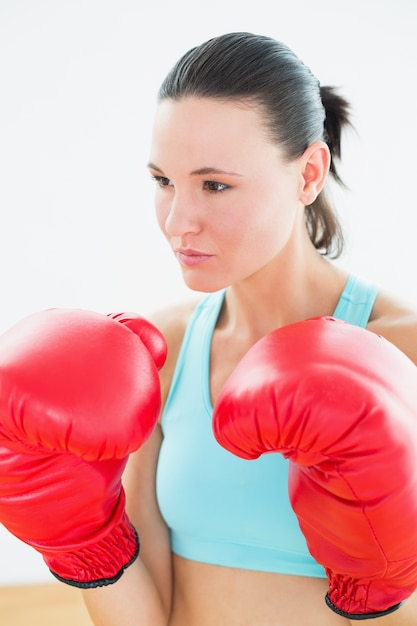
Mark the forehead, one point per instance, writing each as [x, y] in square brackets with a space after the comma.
[211, 108]
[192, 125]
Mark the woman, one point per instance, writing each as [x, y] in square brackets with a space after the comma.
[243, 142]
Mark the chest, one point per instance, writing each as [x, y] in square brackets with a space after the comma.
[225, 354]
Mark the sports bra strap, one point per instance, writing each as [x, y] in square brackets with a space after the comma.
[356, 302]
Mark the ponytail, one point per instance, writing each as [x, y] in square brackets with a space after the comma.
[336, 120]
[323, 225]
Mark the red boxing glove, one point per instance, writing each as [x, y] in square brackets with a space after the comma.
[79, 391]
[340, 403]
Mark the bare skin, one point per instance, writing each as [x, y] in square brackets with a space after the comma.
[274, 277]
[205, 594]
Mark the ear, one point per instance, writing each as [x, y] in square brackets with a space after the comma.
[315, 164]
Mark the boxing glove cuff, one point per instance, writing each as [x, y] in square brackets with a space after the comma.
[361, 616]
[98, 564]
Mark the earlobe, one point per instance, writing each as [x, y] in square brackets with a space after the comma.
[315, 169]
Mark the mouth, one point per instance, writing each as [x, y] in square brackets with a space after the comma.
[191, 258]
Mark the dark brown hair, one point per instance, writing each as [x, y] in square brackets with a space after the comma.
[297, 111]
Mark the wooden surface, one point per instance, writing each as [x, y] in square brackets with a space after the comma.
[52, 604]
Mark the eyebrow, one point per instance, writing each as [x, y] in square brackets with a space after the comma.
[202, 171]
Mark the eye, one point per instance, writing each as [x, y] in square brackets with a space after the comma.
[161, 181]
[214, 187]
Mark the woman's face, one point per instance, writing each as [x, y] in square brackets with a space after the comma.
[226, 200]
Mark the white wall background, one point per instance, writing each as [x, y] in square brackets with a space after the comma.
[78, 80]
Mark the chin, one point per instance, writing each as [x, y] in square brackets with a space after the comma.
[204, 286]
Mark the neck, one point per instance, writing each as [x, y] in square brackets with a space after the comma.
[291, 288]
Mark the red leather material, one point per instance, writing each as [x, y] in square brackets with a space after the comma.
[79, 391]
[340, 403]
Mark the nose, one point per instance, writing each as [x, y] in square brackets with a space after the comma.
[182, 216]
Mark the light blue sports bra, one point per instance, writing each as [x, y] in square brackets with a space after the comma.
[222, 509]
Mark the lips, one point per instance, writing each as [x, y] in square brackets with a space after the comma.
[190, 257]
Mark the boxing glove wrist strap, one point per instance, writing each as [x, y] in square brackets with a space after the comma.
[361, 616]
[99, 564]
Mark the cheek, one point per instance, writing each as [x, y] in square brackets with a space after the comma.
[261, 231]
[245, 240]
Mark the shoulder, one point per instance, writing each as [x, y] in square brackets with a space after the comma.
[396, 321]
[172, 322]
